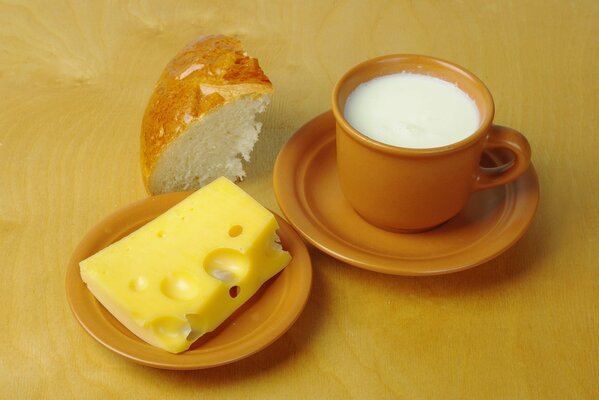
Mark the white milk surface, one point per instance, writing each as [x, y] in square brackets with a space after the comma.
[412, 110]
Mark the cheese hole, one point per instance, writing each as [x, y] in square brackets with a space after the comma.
[235, 230]
[273, 246]
[194, 335]
[227, 265]
[180, 285]
[160, 233]
[195, 327]
[138, 284]
[169, 329]
[234, 291]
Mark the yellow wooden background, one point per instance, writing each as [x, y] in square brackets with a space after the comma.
[74, 80]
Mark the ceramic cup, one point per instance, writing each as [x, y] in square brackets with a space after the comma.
[413, 190]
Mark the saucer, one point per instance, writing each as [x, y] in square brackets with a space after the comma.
[259, 322]
[307, 189]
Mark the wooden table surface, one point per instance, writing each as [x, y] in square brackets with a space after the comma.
[74, 81]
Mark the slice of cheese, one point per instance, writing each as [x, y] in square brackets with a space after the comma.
[182, 274]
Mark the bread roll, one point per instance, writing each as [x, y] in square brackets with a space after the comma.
[201, 119]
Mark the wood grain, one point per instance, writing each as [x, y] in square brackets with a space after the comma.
[74, 81]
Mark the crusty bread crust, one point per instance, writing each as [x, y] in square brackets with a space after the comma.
[206, 74]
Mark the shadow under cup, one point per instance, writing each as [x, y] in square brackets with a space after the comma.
[414, 189]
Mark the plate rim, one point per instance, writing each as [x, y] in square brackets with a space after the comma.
[293, 210]
[76, 290]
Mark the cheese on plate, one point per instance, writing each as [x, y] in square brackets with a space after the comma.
[182, 274]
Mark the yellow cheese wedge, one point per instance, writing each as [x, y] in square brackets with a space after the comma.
[182, 274]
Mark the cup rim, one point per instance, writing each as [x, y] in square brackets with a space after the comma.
[483, 127]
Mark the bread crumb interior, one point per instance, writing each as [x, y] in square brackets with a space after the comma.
[211, 147]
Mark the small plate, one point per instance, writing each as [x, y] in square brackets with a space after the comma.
[307, 189]
[258, 323]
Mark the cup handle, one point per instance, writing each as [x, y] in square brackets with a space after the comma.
[502, 137]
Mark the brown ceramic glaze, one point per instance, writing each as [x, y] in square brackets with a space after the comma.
[416, 189]
[306, 184]
[257, 324]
